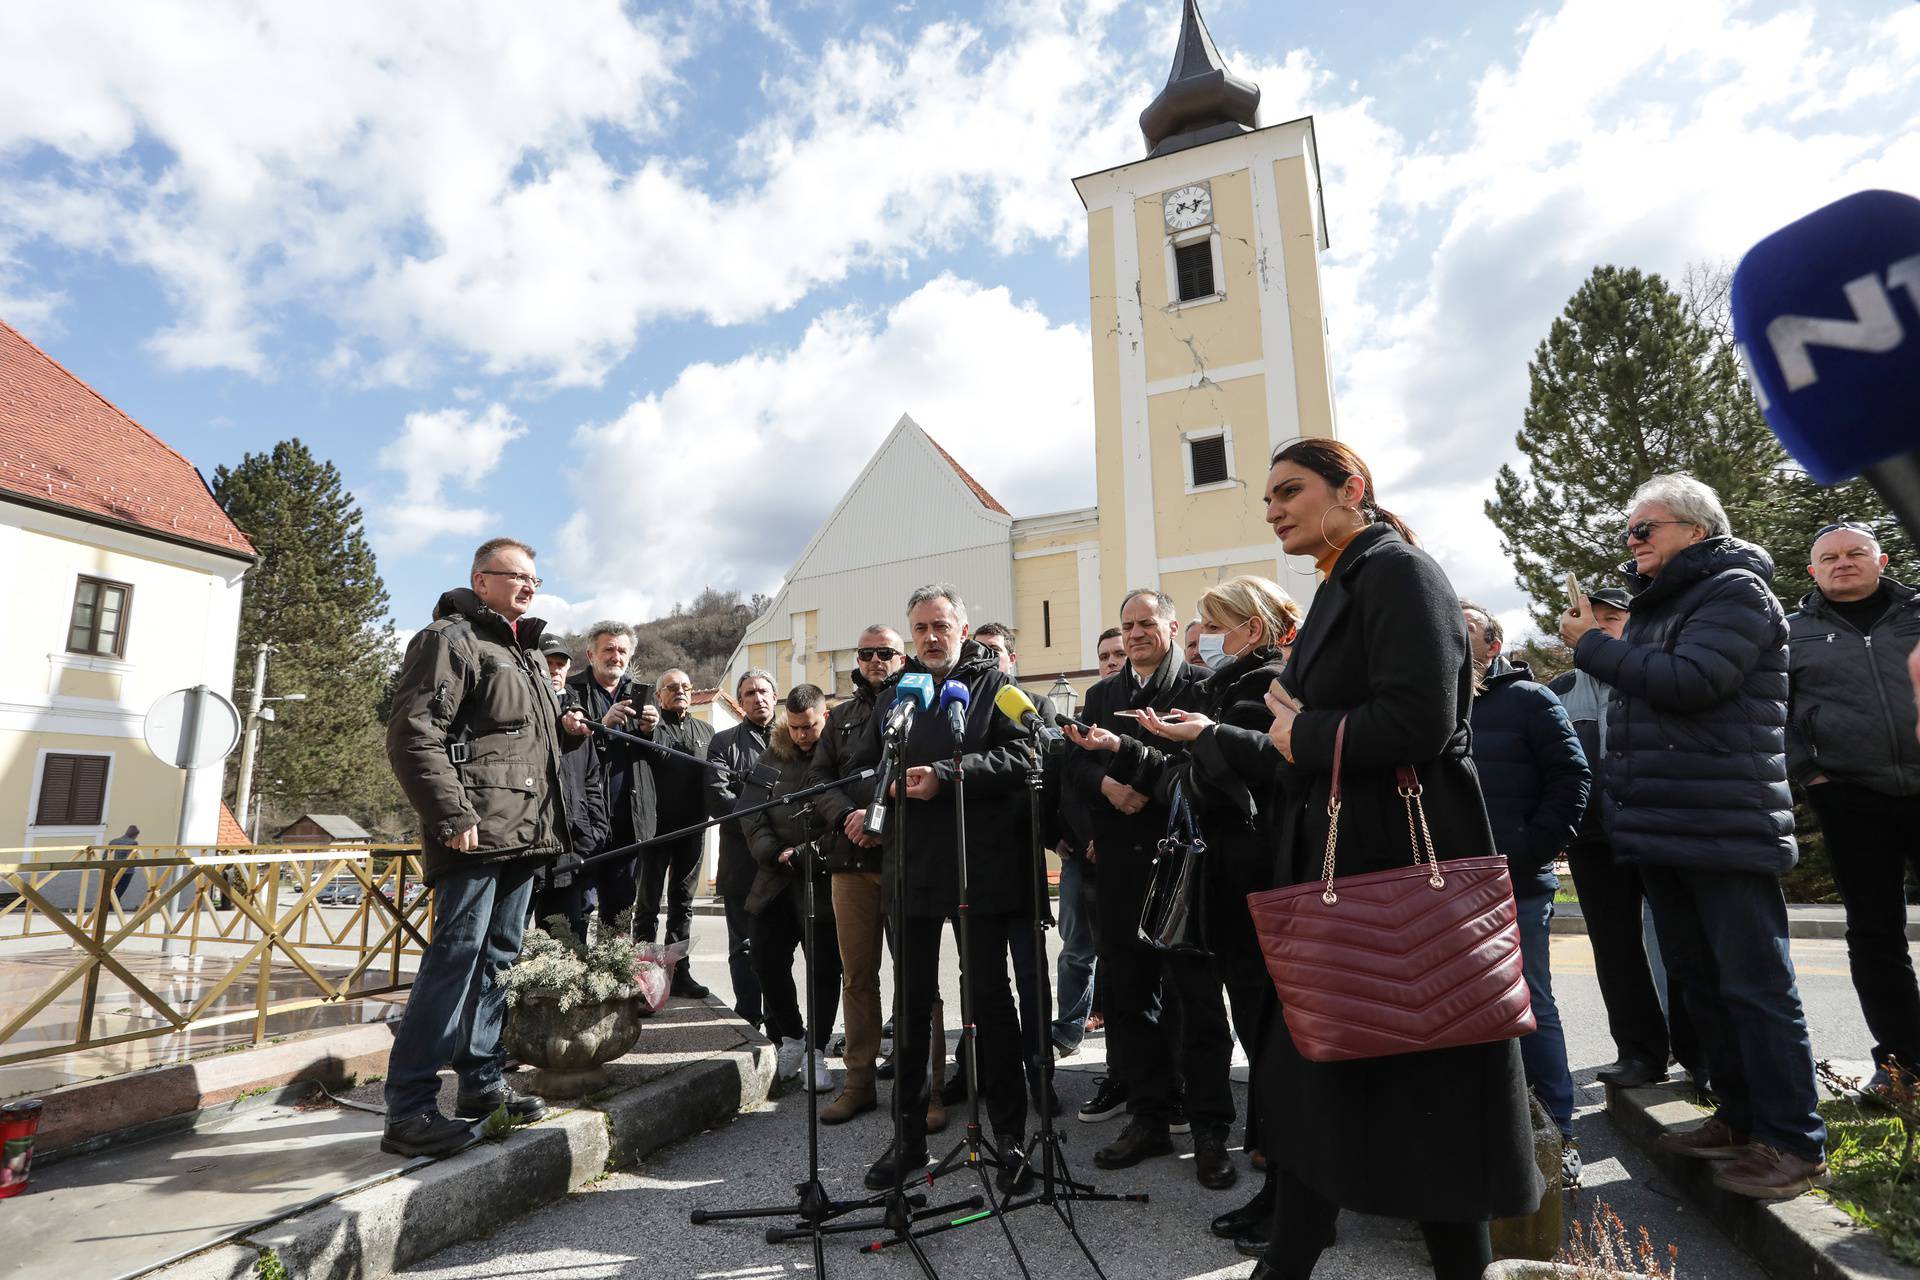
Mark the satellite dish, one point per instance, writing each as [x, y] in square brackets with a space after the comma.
[192, 728]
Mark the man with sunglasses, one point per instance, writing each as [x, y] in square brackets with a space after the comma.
[1850, 743]
[1695, 779]
[846, 747]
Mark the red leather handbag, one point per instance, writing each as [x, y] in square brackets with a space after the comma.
[1425, 956]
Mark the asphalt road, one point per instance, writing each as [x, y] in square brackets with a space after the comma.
[635, 1224]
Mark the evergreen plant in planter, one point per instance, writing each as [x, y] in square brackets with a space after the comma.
[572, 1007]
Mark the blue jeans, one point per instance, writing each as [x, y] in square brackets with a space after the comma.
[457, 1006]
[1543, 1054]
[1073, 974]
[1724, 936]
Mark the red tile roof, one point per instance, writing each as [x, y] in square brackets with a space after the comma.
[987, 500]
[63, 445]
[231, 836]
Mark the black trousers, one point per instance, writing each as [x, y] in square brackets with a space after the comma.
[1303, 1220]
[1036, 1023]
[1242, 969]
[568, 900]
[1138, 984]
[746, 983]
[779, 931]
[1611, 898]
[1002, 1083]
[1872, 840]
[673, 868]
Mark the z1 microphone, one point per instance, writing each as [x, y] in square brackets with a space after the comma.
[912, 693]
[1833, 348]
[1013, 703]
[954, 700]
[917, 685]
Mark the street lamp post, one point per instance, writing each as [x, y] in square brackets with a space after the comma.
[257, 713]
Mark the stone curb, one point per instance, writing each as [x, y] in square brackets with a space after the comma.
[1801, 1239]
[378, 1230]
[1801, 923]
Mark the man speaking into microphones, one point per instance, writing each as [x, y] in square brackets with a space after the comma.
[959, 735]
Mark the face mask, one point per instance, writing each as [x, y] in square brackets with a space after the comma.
[1213, 648]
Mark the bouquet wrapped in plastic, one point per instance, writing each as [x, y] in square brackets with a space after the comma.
[653, 966]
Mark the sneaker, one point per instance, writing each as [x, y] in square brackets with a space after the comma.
[428, 1134]
[822, 1074]
[1713, 1139]
[1570, 1164]
[1763, 1173]
[885, 1173]
[1143, 1137]
[522, 1108]
[1109, 1100]
[1177, 1121]
[789, 1057]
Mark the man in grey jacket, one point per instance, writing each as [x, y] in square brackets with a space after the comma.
[1850, 742]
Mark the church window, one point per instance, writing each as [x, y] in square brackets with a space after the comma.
[1193, 268]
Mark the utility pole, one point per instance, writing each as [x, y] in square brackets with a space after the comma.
[243, 800]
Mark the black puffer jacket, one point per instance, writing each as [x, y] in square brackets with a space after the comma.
[1696, 768]
[999, 858]
[475, 737]
[740, 749]
[847, 746]
[1851, 712]
[1532, 772]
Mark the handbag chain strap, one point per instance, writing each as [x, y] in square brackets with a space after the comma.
[1419, 836]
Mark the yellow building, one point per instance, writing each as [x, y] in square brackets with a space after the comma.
[122, 579]
[1209, 352]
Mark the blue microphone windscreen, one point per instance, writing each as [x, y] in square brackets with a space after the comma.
[1826, 311]
[953, 691]
[917, 685]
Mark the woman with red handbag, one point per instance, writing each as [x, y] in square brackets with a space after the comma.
[1380, 680]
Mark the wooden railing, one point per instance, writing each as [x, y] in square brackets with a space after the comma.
[234, 911]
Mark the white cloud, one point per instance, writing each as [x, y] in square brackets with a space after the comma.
[720, 479]
[432, 451]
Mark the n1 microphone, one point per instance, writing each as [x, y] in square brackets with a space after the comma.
[1013, 703]
[954, 700]
[1832, 347]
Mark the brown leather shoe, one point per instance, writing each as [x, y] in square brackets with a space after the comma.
[1764, 1173]
[936, 1113]
[1713, 1140]
[851, 1102]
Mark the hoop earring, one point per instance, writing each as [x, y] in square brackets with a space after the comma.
[1342, 546]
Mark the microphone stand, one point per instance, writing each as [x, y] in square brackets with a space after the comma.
[1058, 1189]
[968, 1151]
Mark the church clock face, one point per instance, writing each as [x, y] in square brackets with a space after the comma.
[1189, 207]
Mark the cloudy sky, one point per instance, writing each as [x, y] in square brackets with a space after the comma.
[646, 284]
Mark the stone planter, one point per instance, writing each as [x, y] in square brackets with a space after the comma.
[569, 1049]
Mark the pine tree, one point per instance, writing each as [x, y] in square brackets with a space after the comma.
[317, 598]
[1634, 380]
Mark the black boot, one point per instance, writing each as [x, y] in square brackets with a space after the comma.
[1212, 1166]
[428, 1134]
[684, 985]
[885, 1172]
[1251, 1218]
[522, 1108]
[1016, 1172]
[1143, 1137]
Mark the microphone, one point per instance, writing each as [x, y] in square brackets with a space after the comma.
[954, 700]
[1831, 346]
[912, 694]
[1013, 703]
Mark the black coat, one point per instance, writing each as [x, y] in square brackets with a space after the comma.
[584, 785]
[784, 769]
[585, 691]
[847, 745]
[1851, 712]
[1696, 768]
[680, 785]
[1385, 647]
[740, 749]
[1125, 844]
[1532, 772]
[993, 766]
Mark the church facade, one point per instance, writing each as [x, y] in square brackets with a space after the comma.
[1209, 351]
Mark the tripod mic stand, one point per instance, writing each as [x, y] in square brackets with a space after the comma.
[812, 1205]
[969, 1150]
[1058, 1189]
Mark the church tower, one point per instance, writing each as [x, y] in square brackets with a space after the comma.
[1209, 341]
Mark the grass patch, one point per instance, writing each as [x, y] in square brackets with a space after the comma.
[1871, 1156]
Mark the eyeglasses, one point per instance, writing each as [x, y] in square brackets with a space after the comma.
[676, 688]
[886, 653]
[1644, 530]
[525, 578]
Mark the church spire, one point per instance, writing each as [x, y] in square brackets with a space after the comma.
[1202, 100]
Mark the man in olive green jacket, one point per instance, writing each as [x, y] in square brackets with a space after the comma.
[475, 741]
